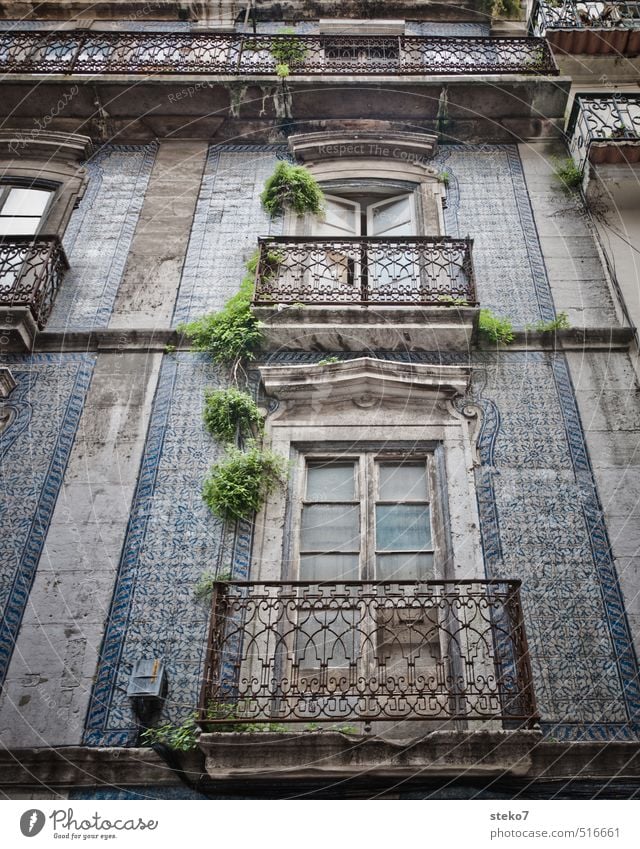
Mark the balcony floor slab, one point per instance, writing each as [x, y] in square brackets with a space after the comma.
[359, 328]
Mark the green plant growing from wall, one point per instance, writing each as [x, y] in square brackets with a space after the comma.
[224, 711]
[567, 173]
[230, 412]
[505, 8]
[238, 485]
[203, 590]
[182, 738]
[287, 52]
[444, 177]
[292, 187]
[560, 322]
[494, 328]
[327, 361]
[231, 334]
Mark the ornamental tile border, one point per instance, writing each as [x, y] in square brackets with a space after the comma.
[171, 539]
[89, 289]
[45, 417]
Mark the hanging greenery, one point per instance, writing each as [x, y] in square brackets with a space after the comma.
[292, 187]
[231, 334]
[238, 485]
[228, 412]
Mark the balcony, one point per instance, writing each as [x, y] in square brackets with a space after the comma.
[605, 129]
[399, 271]
[353, 293]
[31, 271]
[432, 651]
[588, 27]
[81, 52]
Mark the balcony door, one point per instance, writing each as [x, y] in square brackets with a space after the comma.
[367, 519]
[358, 270]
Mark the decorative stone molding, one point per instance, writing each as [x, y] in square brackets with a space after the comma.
[408, 147]
[375, 405]
[42, 144]
[365, 381]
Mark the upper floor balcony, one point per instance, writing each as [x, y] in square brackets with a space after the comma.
[421, 286]
[577, 26]
[367, 652]
[78, 52]
[605, 129]
[31, 272]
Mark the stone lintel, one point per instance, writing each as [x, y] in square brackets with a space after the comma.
[365, 377]
[367, 143]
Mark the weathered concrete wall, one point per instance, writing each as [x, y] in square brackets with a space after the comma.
[47, 689]
[577, 277]
[147, 294]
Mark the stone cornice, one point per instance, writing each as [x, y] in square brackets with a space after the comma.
[42, 144]
[365, 381]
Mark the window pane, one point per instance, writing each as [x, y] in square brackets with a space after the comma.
[331, 482]
[392, 218]
[329, 567]
[340, 215]
[402, 527]
[402, 482]
[405, 567]
[26, 202]
[331, 528]
[18, 226]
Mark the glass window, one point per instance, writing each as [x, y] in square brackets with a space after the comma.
[22, 210]
[366, 518]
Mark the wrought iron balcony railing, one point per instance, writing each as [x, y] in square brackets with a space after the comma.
[605, 128]
[588, 26]
[90, 52]
[418, 271]
[364, 651]
[31, 271]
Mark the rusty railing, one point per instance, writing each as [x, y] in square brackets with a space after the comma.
[91, 52]
[428, 271]
[601, 121]
[583, 14]
[31, 271]
[363, 651]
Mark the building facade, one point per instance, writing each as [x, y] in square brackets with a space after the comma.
[443, 588]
